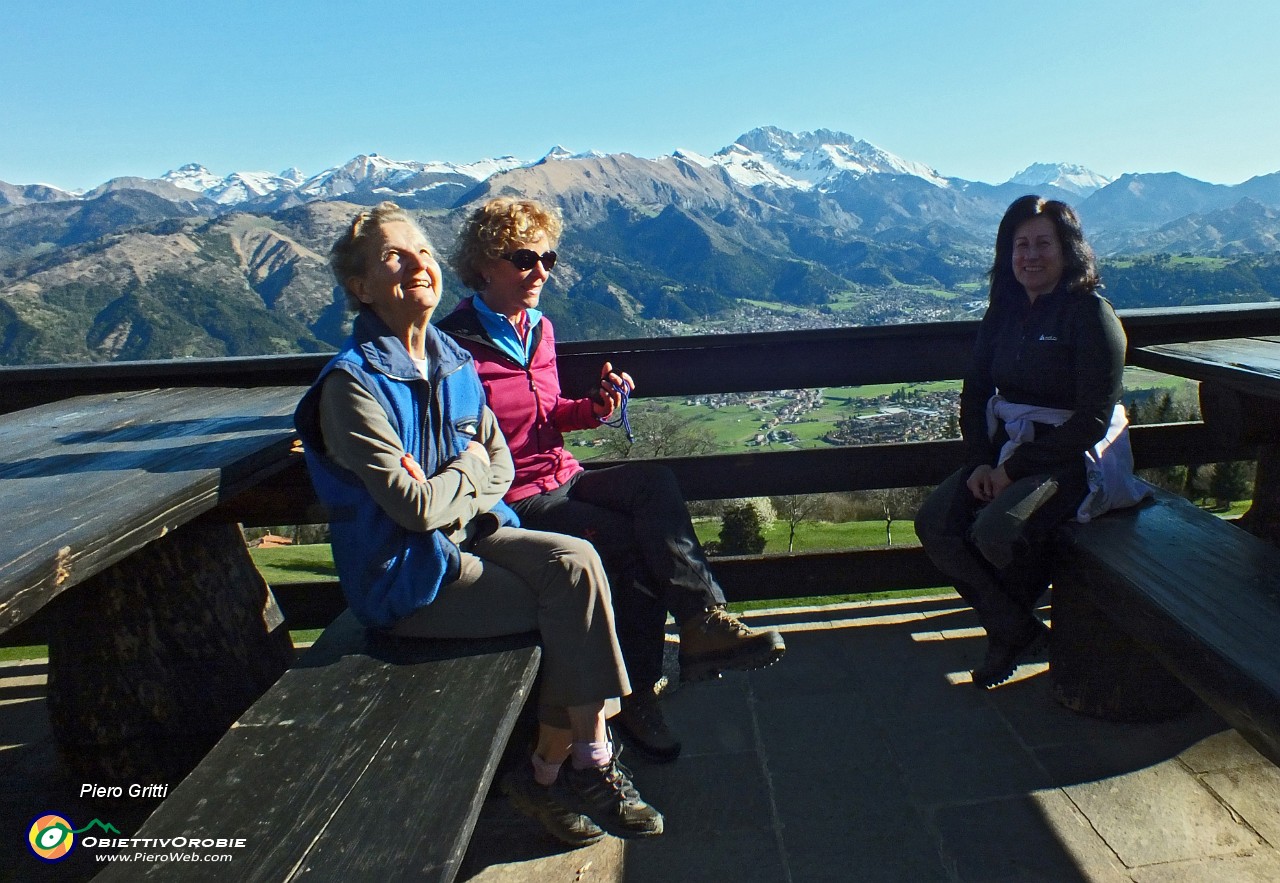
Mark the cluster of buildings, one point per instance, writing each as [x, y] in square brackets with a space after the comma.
[905, 416]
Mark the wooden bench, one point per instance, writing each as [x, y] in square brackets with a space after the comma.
[160, 631]
[369, 760]
[1155, 605]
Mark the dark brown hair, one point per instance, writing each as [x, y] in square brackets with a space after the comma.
[1080, 268]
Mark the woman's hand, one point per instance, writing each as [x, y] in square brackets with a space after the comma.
[607, 398]
[479, 450]
[986, 482]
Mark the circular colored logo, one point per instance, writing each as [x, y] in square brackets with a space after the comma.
[50, 837]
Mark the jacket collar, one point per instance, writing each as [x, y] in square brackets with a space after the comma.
[464, 323]
[503, 333]
[385, 353]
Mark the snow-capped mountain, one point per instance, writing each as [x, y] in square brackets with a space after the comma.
[236, 188]
[850, 186]
[796, 219]
[363, 174]
[807, 160]
[820, 160]
[1065, 176]
[192, 176]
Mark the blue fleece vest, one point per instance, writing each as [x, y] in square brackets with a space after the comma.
[388, 571]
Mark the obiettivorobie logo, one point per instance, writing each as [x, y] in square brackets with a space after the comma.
[51, 836]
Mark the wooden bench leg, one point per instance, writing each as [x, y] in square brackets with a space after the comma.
[152, 660]
[1097, 670]
[1263, 518]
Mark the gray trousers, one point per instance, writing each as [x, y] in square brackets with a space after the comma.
[998, 553]
[518, 580]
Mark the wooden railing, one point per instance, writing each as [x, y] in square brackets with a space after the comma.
[706, 364]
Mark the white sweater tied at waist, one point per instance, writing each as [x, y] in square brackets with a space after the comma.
[1108, 464]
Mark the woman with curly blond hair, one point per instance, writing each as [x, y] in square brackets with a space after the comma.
[633, 513]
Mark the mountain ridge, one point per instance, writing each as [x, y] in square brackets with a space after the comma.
[820, 226]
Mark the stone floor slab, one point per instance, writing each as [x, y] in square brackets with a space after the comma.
[1161, 814]
[858, 758]
[1023, 838]
[1223, 750]
[1253, 792]
[731, 856]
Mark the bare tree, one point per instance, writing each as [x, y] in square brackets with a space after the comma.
[898, 504]
[659, 431]
[794, 509]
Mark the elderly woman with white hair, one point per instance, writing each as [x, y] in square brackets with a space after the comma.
[404, 451]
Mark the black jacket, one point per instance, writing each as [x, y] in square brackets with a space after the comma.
[1065, 350]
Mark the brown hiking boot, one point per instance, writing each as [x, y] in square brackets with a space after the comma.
[718, 641]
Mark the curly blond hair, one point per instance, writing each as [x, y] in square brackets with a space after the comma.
[496, 228]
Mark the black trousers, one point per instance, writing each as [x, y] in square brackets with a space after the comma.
[998, 553]
[635, 516]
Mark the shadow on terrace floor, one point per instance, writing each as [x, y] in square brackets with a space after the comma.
[866, 755]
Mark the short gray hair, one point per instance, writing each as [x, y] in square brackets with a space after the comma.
[349, 256]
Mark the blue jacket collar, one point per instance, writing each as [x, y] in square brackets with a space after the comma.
[503, 333]
[386, 354]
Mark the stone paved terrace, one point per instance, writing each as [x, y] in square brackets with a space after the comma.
[864, 756]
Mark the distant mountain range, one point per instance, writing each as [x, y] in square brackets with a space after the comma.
[196, 264]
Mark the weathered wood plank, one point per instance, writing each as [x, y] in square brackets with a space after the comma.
[744, 578]
[287, 497]
[364, 762]
[152, 659]
[669, 366]
[88, 481]
[1248, 363]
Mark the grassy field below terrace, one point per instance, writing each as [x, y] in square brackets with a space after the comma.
[308, 563]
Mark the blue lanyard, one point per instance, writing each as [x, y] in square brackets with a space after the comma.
[622, 420]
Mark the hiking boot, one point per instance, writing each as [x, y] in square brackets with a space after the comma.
[606, 796]
[1002, 658]
[718, 641]
[537, 802]
[642, 724]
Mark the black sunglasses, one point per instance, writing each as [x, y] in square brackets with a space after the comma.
[525, 258]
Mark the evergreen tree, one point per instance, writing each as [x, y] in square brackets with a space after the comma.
[1230, 482]
[741, 532]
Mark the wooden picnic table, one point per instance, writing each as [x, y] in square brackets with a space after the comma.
[1247, 363]
[161, 632]
[1240, 401]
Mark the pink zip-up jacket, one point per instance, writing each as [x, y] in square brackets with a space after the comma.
[531, 412]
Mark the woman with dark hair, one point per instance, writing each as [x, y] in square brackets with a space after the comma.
[633, 513]
[407, 456]
[1045, 433]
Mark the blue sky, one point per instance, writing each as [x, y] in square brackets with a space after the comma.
[976, 89]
